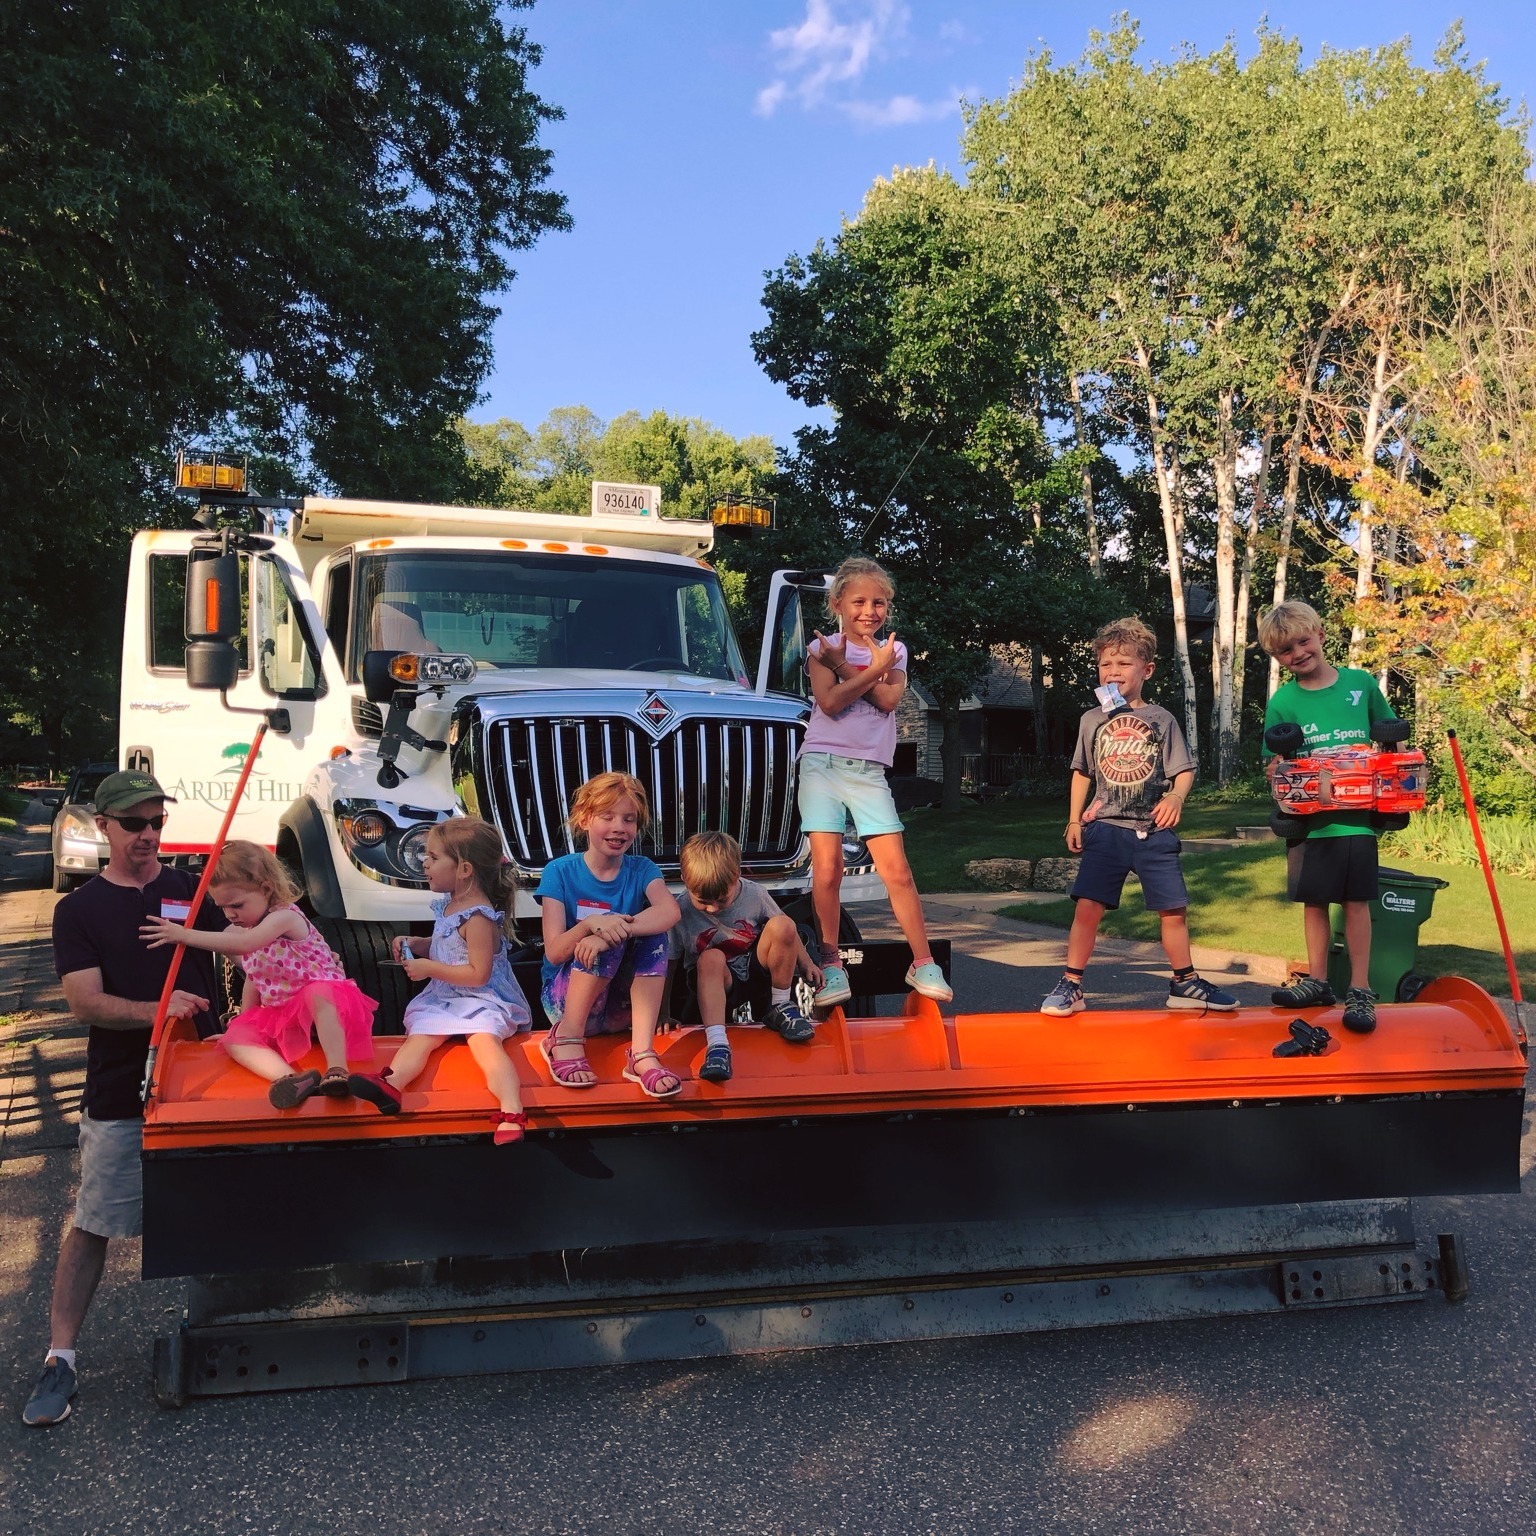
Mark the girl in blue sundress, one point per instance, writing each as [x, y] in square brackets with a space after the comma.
[470, 989]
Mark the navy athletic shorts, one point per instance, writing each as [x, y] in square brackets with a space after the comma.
[1111, 852]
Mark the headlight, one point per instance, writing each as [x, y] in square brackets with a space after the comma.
[433, 671]
[80, 824]
[381, 847]
[367, 828]
[413, 851]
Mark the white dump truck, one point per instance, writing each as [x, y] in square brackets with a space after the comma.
[538, 649]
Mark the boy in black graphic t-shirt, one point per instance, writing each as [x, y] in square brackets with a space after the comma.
[1132, 758]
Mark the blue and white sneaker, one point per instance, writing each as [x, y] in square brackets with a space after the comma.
[50, 1401]
[1196, 993]
[928, 981]
[1064, 999]
[835, 988]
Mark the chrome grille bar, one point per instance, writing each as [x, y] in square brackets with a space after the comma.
[706, 772]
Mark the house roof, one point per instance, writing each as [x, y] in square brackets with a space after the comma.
[1006, 685]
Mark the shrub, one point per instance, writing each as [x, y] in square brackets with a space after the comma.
[1445, 837]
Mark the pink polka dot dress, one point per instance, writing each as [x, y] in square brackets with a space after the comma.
[290, 974]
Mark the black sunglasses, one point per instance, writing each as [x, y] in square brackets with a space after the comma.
[137, 823]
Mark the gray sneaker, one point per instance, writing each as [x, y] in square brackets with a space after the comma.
[788, 1021]
[1303, 992]
[1064, 999]
[50, 1400]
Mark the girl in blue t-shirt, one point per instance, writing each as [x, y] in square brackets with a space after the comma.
[606, 916]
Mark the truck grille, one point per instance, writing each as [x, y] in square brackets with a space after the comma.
[733, 776]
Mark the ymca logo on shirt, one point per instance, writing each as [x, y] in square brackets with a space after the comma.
[1355, 695]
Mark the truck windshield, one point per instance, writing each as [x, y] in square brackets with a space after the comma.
[508, 609]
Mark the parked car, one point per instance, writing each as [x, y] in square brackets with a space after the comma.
[79, 849]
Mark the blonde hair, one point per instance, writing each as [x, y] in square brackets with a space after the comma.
[1285, 622]
[857, 568]
[1128, 634]
[710, 865]
[257, 869]
[603, 791]
[470, 840]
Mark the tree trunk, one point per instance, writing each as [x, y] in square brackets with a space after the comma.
[1293, 483]
[1245, 578]
[1224, 472]
[949, 752]
[1370, 444]
[1037, 699]
[1165, 465]
[1090, 519]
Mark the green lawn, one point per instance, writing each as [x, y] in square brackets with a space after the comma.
[1237, 901]
[12, 804]
[939, 846]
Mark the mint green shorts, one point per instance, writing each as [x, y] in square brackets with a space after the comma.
[832, 788]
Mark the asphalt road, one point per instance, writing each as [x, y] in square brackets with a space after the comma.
[1381, 1419]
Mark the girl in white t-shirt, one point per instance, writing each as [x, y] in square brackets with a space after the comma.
[857, 680]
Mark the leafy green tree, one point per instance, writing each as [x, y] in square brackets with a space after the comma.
[552, 468]
[909, 330]
[284, 223]
[1228, 245]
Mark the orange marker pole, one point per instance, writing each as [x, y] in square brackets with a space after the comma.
[1493, 890]
[158, 1030]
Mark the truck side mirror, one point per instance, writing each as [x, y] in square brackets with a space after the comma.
[379, 684]
[213, 619]
[213, 595]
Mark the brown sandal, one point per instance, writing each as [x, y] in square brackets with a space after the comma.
[291, 1091]
[334, 1084]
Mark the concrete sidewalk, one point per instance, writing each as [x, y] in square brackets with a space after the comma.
[1002, 965]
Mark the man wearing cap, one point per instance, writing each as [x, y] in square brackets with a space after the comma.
[112, 983]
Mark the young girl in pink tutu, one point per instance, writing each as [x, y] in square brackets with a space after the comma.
[293, 984]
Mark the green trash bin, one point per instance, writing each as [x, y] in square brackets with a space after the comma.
[1402, 906]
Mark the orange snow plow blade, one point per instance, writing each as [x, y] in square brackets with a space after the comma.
[896, 1179]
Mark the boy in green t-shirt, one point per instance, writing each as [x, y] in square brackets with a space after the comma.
[1335, 707]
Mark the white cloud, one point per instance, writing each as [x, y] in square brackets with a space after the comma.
[899, 111]
[832, 47]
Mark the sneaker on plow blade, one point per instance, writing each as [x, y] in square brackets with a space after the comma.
[1195, 992]
[1303, 992]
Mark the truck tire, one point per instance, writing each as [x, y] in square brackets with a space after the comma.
[363, 948]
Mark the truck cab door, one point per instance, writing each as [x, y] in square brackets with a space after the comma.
[796, 609]
[186, 737]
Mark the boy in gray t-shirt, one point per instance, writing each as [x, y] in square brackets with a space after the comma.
[733, 933]
[1132, 759]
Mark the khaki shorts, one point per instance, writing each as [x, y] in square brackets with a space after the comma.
[111, 1198]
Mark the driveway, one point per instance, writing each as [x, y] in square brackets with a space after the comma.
[1383, 1419]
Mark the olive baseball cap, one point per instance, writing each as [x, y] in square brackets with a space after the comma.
[119, 790]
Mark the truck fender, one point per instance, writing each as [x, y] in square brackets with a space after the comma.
[301, 840]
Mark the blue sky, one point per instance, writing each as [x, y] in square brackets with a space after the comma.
[705, 140]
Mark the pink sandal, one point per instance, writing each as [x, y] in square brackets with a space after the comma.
[648, 1077]
[509, 1127]
[563, 1072]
